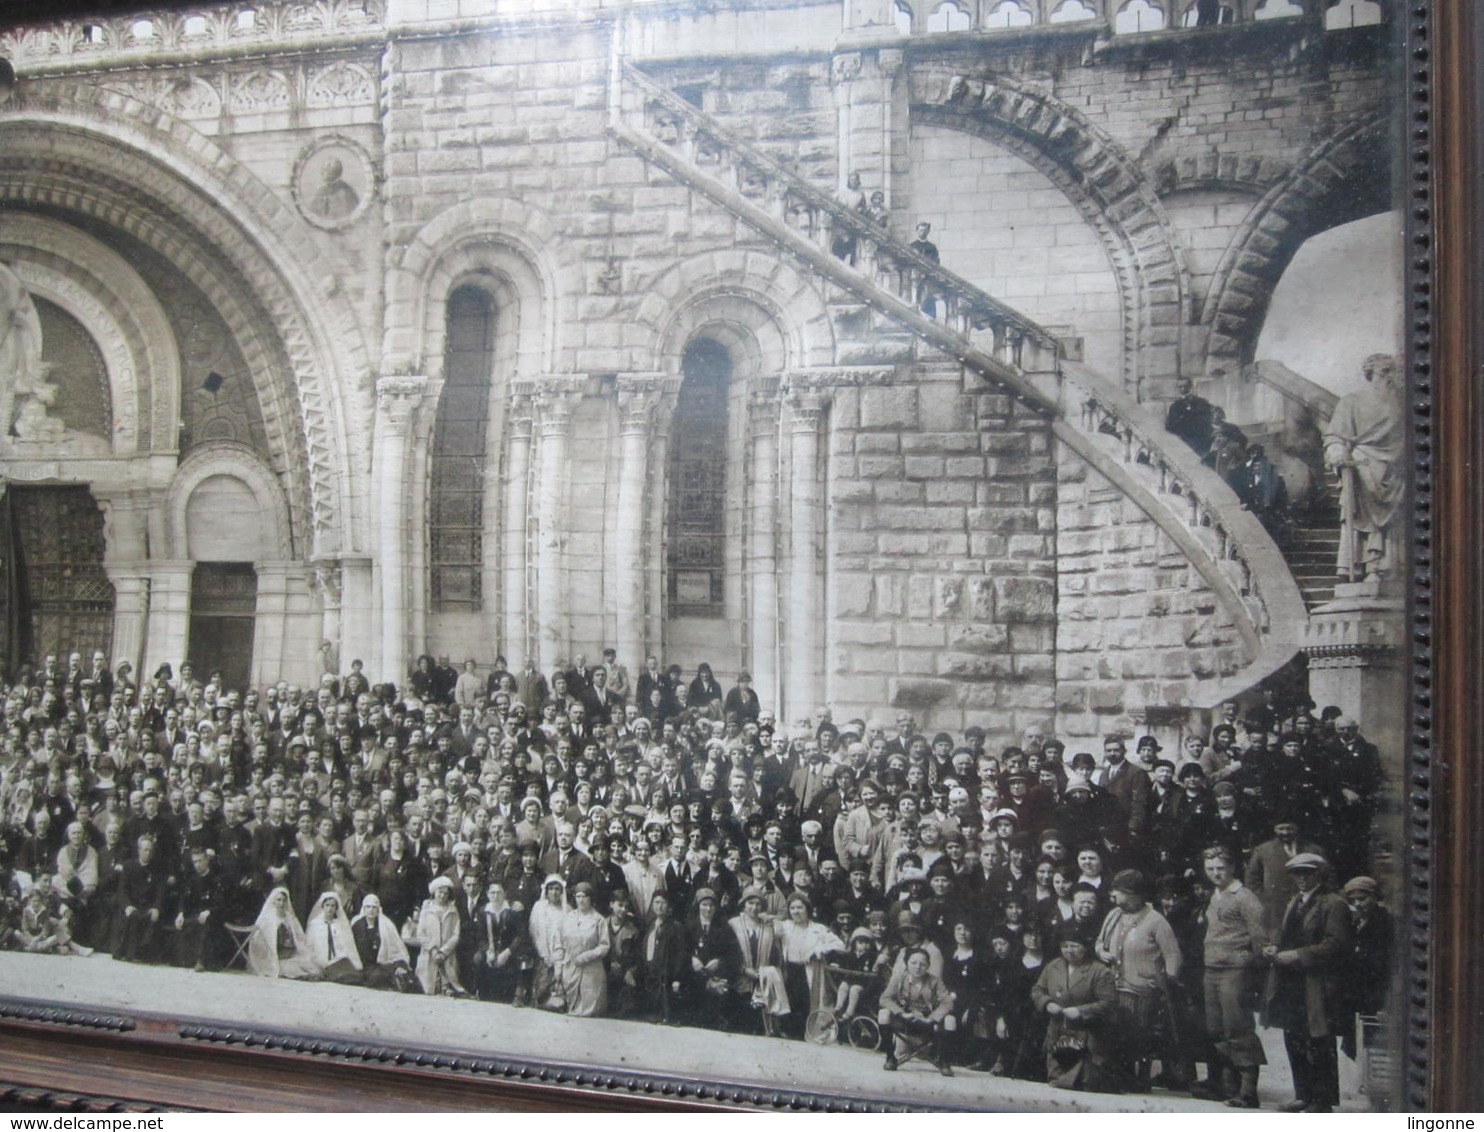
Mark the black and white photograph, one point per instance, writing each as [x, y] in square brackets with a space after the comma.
[856, 550]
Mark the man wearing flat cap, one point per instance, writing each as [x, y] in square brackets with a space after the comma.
[1306, 984]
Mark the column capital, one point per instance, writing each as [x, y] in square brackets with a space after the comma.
[398, 397]
[638, 394]
[806, 411]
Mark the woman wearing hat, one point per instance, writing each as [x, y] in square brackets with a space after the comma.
[759, 977]
[438, 928]
[1079, 998]
[586, 943]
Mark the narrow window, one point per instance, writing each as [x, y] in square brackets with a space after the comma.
[456, 527]
[698, 484]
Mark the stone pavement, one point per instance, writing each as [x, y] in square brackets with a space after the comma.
[487, 1029]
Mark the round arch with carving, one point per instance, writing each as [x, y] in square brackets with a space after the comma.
[120, 160]
[1342, 179]
[497, 244]
[780, 307]
[1101, 180]
[239, 462]
[100, 289]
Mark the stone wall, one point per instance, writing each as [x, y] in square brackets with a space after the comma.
[1136, 626]
[942, 552]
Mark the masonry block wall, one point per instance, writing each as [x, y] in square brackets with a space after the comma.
[1136, 626]
[942, 547]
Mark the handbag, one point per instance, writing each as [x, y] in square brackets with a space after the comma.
[285, 942]
[1069, 1049]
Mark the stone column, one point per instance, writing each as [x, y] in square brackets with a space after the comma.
[517, 641]
[168, 623]
[637, 396]
[397, 399]
[805, 593]
[358, 612]
[556, 406]
[418, 469]
[281, 648]
[125, 554]
[327, 586]
[762, 559]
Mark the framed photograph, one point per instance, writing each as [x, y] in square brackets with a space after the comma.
[760, 553]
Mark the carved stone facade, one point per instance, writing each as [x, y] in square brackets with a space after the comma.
[258, 214]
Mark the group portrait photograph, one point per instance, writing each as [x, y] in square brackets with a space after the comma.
[826, 552]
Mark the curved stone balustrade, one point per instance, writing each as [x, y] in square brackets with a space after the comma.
[1226, 544]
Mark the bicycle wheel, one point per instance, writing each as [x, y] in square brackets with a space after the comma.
[821, 1028]
[863, 1033]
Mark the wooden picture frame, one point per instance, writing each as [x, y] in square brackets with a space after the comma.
[144, 1058]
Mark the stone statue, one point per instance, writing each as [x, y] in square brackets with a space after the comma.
[1365, 442]
[25, 393]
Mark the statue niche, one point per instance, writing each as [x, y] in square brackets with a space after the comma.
[31, 420]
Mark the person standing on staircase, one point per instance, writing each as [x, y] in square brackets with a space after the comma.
[927, 294]
[1192, 418]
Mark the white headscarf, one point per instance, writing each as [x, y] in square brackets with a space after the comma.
[262, 946]
[339, 928]
[392, 949]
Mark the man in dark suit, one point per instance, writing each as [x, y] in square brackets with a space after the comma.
[1191, 418]
[1306, 984]
[679, 876]
[1130, 785]
[566, 861]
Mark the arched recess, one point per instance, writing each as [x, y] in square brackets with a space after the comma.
[499, 244]
[499, 248]
[239, 463]
[761, 291]
[99, 288]
[753, 339]
[119, 163]
[1102, 181]
[1344, 178]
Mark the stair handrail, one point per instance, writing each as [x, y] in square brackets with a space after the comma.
[1259, 579]
[968, 306]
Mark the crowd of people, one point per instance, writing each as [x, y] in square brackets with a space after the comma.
[661, 848]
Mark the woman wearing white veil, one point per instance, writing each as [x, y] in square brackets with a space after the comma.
[277, 948]
[331, 942]
[384, 958]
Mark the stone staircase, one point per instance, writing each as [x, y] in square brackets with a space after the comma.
[1314, 547]
[1124, 441]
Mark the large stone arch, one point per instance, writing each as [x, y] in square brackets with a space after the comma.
[99, 288]
[501, 244]
[1344, 178]
[235, 461]
[1104, 183]
[760, 290]
[84, 149]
